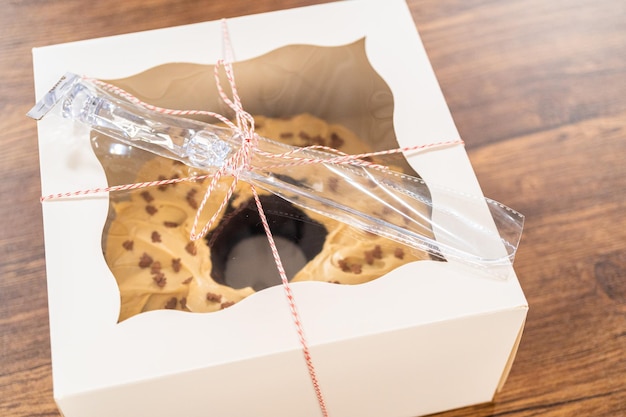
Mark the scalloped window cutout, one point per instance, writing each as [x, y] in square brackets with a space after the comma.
[299, 94]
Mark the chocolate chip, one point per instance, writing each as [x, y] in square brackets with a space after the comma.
[348, 267]
[215, 298]
[151, 209]
[147, 196]
[176, 265]
[162, 187]
[156, 237]
[159, 279]
[336, 141]
[155, 268]
[191, 200]
[191, 248]
[128, 245]
[370, 255]
[192, 203]
[188, 280]
[398, 253]
[145, 260]
[171, 303]
[183, 303]
[170, 224]
[227, 304]
[286, 135]
[343, 264]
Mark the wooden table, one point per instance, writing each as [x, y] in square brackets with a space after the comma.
[538, 91]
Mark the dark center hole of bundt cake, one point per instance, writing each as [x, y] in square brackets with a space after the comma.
[240, 252]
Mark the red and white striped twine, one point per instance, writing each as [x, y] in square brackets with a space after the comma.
[125, 187]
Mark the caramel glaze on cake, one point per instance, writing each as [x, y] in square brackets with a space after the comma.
[157, 267]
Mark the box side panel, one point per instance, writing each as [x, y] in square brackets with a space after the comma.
[409, 372]
[421, 370]
[509, 363]
[274, 386]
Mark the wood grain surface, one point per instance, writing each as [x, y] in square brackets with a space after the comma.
[538, 92]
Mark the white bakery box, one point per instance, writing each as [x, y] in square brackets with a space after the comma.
[429, 336]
